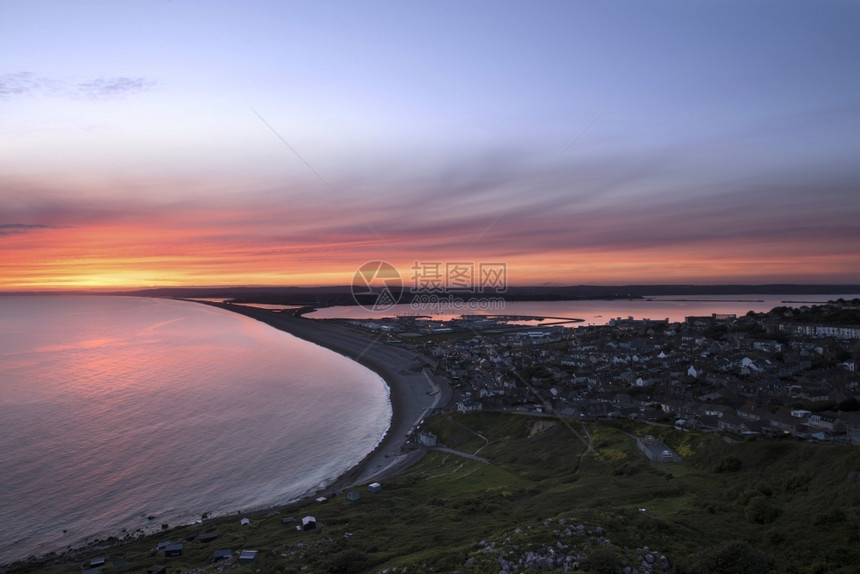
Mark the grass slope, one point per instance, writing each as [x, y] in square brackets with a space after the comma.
[758, 506]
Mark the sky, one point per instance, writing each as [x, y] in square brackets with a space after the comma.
[179, 143]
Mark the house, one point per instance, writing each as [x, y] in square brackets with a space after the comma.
[717, 410]
[785, 424]
[375, 487]
[247, 556]
[427, 439]
[208, 536]
[352, 495]
[173, 551]
[734, 424]
[223, 554]
[309, 523]
[245, 521]
[96, 562]
[852, 428]
[157, 569]
[751, 413]
[655, 450]
[826, 423]
[468, 406]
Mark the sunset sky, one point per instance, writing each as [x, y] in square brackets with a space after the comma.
[165, 143]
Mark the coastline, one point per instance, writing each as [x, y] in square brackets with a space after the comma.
[413, 392]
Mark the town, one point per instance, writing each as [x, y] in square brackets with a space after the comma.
[789, 372]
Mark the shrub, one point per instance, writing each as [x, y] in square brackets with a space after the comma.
[604, 559]
[761, 511]
[347, 561]
[728, 464]
[732, 558]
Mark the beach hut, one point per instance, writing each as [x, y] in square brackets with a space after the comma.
[173, 551]
[309, 523]
[247, 556]
[224, 554]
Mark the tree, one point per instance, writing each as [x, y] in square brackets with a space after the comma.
[850, 404]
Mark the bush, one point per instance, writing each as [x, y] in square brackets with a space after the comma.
[347, 561]
[732, 558]
[728, 464]
[761, 511]
[604, 559]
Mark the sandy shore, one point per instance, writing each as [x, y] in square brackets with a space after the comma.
[413, 391]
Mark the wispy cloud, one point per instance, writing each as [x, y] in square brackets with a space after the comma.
[112, 87]
[19, 84]
[14, 228]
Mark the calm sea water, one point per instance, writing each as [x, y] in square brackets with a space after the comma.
[595, 312]
[114, 409]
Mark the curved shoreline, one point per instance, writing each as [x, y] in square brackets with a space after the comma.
[412, 391]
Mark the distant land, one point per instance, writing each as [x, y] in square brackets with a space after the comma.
[326, 296]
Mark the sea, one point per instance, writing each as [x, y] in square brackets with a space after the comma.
[120, 414]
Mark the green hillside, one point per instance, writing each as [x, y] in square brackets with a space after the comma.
[554, 496]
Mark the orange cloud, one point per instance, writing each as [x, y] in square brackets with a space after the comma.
[99, 234]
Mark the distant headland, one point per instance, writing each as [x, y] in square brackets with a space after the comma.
[324, 296]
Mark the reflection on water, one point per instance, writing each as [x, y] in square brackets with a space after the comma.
[600, 312]
[115, 408]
